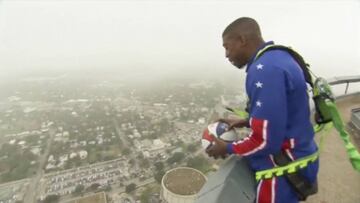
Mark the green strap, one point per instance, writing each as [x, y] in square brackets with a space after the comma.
[337, 122]
[240, 113]
[299, 163]
[290, 168]
[353, 154]
[318, 128]
[263, 50]
[323, 131]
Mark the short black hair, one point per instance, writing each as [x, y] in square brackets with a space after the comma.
[243, 26]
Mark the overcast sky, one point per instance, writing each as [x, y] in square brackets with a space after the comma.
[155, 36]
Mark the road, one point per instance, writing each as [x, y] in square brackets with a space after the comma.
[33, 188]
[125, 142]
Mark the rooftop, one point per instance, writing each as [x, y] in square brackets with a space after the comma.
[184, 181]
[337, 179]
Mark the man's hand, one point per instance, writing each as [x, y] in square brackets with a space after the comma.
[218, 149]
[234, 123]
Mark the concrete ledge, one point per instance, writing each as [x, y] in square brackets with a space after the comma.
[233, 182]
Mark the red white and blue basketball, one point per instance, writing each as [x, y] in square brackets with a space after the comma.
[220, 130]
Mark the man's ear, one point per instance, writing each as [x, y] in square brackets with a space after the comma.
[242, 40]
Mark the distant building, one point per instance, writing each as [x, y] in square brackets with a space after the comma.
[201, 121]
[36, 150]
[146, 154]
[157, 145]
[29, 109]
[51, 158]
[72, 155]
[83, 154]
[50, 166]
[181, 185]
[355, 118]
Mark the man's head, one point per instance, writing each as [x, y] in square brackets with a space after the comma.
[241, 39]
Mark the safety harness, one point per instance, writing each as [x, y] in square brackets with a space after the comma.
[326, 116]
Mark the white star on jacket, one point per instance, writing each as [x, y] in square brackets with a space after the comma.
[259, 84]
[260, 66]
[258, 103]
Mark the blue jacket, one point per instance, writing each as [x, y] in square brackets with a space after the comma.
[279, 112]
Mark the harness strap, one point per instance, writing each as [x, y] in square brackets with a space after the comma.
[292, 167]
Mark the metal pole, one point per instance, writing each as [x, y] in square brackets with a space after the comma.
[347, 87]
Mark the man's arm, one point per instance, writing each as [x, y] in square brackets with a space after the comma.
[268, 113]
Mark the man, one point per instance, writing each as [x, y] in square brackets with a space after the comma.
[279, 115]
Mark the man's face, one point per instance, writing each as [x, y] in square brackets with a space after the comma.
[235, 50]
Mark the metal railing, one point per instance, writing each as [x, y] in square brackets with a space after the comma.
[344, 80]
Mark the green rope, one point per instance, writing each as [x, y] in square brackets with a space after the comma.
[323, 130]
[353, 154]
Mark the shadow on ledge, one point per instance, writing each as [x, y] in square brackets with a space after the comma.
[233, 182]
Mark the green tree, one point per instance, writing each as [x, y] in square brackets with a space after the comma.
[108, 188]
[199, 163]
[158, 175]
[51, 199]
[159, 166]
[144, 163]
[176, 157]
[131, 162]
[8, 149]
[94, 186]
[131, 187]
[78, 189]
[145, 195]
[126, 151]
[192, 147]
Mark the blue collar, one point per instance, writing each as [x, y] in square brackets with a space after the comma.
[252, 59]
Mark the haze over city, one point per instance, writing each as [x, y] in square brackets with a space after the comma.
[169, 37]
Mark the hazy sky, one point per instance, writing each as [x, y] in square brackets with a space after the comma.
[170, 35]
